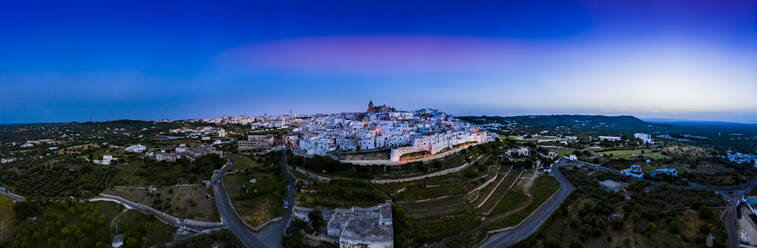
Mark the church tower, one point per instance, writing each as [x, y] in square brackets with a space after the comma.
[370, 106]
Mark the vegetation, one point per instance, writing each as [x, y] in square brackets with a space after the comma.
[222, 238]
[544, 187]
[62, 224]
[654, 217]
[141, 230]
[39, 180]
[262, 200]
[7, 216]
[170, 173]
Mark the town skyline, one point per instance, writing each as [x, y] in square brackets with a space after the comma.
[651, 59]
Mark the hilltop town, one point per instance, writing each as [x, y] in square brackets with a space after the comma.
[382, 177]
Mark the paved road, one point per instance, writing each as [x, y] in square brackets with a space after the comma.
[729, 220]
[193, 225]
[731, 194]
[15, 197]
[227, 214]
[538, 217]
[290, 194]
[741, 187]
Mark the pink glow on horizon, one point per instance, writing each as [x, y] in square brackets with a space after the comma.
[369, 53]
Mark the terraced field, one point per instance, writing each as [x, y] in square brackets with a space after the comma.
[500, 192]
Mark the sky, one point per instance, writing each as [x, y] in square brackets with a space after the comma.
[66, 61]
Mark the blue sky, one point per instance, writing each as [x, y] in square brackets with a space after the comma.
[67, 61]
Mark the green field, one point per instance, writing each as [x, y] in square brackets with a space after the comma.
[500, 191]
[561, 151]
[127, 174]
[263, 200]
[512, 200]
[542, 189]
[244, 162]
[640, 153]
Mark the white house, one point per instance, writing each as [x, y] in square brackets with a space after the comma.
[107, 159]
[609, 138]
[136, 148]
[644, 137]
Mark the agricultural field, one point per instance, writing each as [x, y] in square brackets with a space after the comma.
[242, 161]
[260, 201]
[543, 188]
[635, 153]
[687, 152]
[183, 201]
[76, 149]
[662, 217]
[562, 151]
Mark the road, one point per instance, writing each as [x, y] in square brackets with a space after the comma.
[269, 236]
[227, 214]
[731, 194]
[729, 220]
[741, 187]
[193, 225]
[290, 193]
[15, 197]
[538, 217]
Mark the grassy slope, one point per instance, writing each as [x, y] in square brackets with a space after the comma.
[542, 189]
[6, 216]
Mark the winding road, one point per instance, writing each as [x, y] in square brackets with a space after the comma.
[15, 197]
[731, 194]
[194, 225]
[228, 217]
[538, 217]
[270, 236]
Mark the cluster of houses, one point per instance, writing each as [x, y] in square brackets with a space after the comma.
[200, 132]
[8, 160]
[356, 227]
[162, 155]
[256, 142]
[637, 172]
[382, 127]
[32, 143]
[741, 158]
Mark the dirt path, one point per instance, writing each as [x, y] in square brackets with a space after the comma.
[490, 220]
[515, 182]
[115, 219]
[191, 193]
[526, 186]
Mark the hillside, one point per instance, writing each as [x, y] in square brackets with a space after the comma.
[589, 124]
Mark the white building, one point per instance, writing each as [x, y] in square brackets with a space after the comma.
[521, 152]
[609, 138]
[107, 159]
[357, 227]
[644, 137]
[317, 146]
[136, 148]
[7, 160]
[610, 185]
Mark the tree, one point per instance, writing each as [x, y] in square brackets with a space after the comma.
[651, 227]
[131, 242]
[316, 219]
[705, 213]
[25, 209]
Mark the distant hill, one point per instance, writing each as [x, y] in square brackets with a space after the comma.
[590, 124]
[697, 123]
